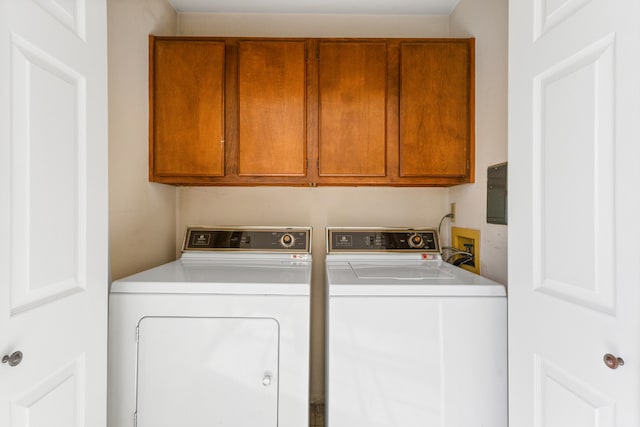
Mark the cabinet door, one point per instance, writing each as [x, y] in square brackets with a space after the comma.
[272, 108]
[352, 108]
[187, 96]
[202, 372]
[436, 114]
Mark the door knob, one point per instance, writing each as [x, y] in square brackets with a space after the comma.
[612, 361]
[14, 359]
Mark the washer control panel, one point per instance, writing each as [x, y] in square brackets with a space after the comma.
[263, 239]
[382, 240]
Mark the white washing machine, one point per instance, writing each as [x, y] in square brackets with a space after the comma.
[219, 337]
[411, 340]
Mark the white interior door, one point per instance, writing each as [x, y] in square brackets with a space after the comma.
[574, 110]
[53, 212]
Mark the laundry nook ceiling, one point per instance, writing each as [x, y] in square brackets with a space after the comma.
[340, 7]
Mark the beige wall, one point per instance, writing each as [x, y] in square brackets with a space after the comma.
[315, 207]
[141, 215]
[271, 25]
[485, 20]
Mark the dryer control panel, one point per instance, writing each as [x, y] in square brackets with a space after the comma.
[382, 240]
[259, 239]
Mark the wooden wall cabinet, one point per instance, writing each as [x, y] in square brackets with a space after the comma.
[227, 111]
[271, 108]
[436, 110]
[352, 87]
[186, 110]
[236, 111]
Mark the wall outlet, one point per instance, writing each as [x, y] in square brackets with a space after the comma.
[467, 240]
[452, 211]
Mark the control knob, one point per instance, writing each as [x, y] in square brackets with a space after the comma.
[287, 240]
[416, 241]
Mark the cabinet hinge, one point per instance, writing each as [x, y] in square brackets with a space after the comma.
[468, 165]
[318, 165]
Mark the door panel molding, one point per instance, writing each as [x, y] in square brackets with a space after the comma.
[555, 385]
[62, 390]
[572, 240]
[548, 15]
[71, 17]
[48, 104]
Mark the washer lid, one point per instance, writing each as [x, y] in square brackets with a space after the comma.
[223, 275]
[404, 277]
[394, 271]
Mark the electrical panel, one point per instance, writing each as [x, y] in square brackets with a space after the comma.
[497, 194]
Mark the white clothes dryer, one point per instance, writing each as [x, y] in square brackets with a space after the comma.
[219, 337]
[411, 340]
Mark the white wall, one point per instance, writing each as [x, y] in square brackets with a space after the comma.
[141, 214]
[485, 20]
[315, 207]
